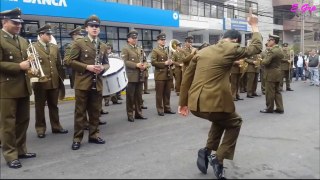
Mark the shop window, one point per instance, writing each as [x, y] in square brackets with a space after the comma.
[29, 30]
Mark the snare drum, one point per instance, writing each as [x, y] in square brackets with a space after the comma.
[115, 78]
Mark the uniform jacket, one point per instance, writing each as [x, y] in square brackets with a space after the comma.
[284, 62]
[132, 56]
[178, 58]
[205, 85]
[252, 67]
[158, 57]
[14, 83]
[272, 63]
[235, 69]
[51, 65]
[83, 53]
[188, 56]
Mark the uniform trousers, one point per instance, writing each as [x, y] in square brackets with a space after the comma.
[235, 83]
[221, 122]
[252, 83]
[163, 91]
[41, 96]
[134, 99]
[14, 122]
[285, 75]
[87, 101]
[178, 78]
[273, 95]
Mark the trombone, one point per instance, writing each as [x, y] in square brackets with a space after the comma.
[36, 73]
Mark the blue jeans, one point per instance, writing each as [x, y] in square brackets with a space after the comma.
[299, 72]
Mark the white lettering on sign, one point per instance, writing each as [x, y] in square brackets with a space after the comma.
[48, 2]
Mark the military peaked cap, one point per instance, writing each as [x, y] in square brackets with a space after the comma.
[13, 15]
[161, 36]
[285, 44]
[274, 36]
[45, 29]
[132, 34]
[76, 31]
[189, 39]
[92, 20]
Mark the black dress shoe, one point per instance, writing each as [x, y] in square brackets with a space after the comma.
[140, 117]
[27, 155]
[235, 99]
[238, 98]
[256, 95]
[75, 145]
[14, 164]
[289, 89]
[202, 161]
[41, 135]
[117, 102]
[146, 92]
[248, 96]
[169, 112]
[217, 167]
[160, 113]
[102, 122]
[266, 111]
[104, 112]
[97, 140]
[130, 119]
[86, 128]
[106, 104]
[144, 107]
[278, 111]
[60, 131]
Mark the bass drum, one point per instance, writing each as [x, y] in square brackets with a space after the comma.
[115, 78]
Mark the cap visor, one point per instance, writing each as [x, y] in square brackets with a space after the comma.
[17, 20]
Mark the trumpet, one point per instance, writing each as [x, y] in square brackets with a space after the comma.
[243, 66]
[35, 72]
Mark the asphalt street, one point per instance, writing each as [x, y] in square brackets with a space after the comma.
[270, 146]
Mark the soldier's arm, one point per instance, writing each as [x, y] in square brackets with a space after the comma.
[60, 66]
[155, 62]
[187, 81]
[73, 59]
[66, 55]
[268, 58]
[125, 56]
[6, 67]
[249, 60]
[105, 63]
[175, 59]
[254, 48]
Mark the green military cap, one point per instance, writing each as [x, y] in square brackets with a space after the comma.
[13, 15]
[133, 34]
[161, 36]
[271, 36]
[46, 29]
[285, 44]
[189, 39]
[92, 20]
[77, 31]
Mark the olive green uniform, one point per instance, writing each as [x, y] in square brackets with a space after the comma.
[163, 76]
[252, 76]
[285, 70]
[132, 55]
[272, 75]
[177, 59]
[205, 89]
[50, 61]
[88, 99]
[235, 81]
[15, 91]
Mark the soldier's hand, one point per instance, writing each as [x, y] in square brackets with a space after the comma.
[24, 65]
[252, 19]
[193, 51]
[181, 64]
[183, 110]
[93, 68]
[255, 62]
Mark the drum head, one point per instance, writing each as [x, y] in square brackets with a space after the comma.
[115, 66]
